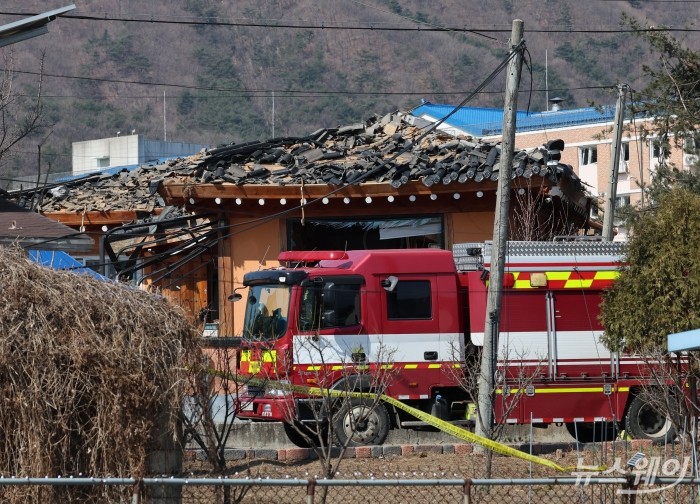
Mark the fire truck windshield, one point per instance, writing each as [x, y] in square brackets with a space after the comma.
[266, 312]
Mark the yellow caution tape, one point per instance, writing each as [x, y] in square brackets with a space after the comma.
[470, 437]
[431, 420]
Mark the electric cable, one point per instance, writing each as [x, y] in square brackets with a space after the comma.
[279, 93]
[371, 27]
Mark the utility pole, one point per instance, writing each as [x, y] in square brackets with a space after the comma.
[39, 194]
[500, 237]
[546, 81]
[614, 163]
[165, 131]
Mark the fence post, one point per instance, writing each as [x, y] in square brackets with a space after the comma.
[138, 492]
[310, 490]
[165, 457]
[631, 496]
[467, 488]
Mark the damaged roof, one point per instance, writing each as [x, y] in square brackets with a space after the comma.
[25, 228]
[392, 149]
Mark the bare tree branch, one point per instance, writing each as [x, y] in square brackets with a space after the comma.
[19, 118]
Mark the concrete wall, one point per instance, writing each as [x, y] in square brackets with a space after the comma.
[115, 151]
[271, 435]
[91, 155]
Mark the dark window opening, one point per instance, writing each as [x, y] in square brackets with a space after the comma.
[410, 300]
[589, 155]
[365, 234]
[212, 308]
[625, 152]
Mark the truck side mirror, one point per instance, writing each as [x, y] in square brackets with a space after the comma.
[236, 296]
[389, 283]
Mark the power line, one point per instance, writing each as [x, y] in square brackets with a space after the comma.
[413, 20]
[248, 92]
[372, 26]
[267, 92]
[249, 24]
[310, 94]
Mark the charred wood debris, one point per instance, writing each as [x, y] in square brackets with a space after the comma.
[383, 149]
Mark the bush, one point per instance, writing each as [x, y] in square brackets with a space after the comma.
[88, 371]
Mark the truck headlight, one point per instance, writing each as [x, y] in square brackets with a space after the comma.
[279, 389]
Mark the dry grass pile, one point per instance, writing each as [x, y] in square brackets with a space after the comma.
[86, 369]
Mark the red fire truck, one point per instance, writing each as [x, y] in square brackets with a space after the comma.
[428, 306]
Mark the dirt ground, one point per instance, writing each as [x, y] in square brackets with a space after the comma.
[426, 465]
[431, 466]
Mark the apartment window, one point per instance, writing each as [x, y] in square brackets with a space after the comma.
[622, 201]
[658, 150]
[103, 162]
[624, 158]
[691, 149]
[625, 152]
[588, 155]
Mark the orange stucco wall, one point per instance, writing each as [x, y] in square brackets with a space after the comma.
[468, 227]
[251, 249]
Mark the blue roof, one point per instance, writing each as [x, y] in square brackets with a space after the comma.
[564, 118]
[489, 121]
[56, 259]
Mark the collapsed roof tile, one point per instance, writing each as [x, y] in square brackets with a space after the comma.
[388, 149]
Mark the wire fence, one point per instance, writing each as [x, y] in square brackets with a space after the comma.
[632, 489]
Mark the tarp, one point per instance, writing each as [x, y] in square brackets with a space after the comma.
[57, 259]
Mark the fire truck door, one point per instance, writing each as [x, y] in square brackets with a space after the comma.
[411, 330]
[573, 337]
[524, 347]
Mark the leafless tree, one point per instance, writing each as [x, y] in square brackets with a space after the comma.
[514, 376]
[538, 216]
[20, 116]
[342, 404]
[210, 409]
[667, 402]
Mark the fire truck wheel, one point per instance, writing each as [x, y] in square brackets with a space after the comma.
[644, 422]
[360, 422]
[301, 435]
[592, 432]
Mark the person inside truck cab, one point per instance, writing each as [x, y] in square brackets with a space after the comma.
[269, 326]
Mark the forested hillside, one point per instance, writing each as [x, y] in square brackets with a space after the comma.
[216, 72]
